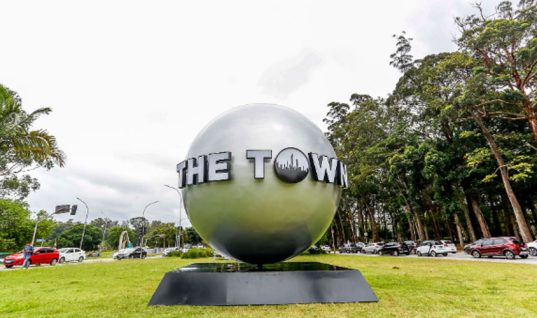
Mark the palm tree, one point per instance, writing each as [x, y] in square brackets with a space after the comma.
[21, 148]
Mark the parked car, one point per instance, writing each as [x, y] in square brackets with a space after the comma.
[71, 254]
[532, 248]
[449, 246]
[351, 248]
[506, 246]
[42, 255]
[326, 248]
[133, 252]
[394, 248]
[411, 246]
[372, 248]
[432, 248]
[469, 247]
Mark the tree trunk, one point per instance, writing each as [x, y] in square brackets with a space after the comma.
[530, 113]
[352, 224]
[523, 228]
[411, 228]
[419, 227]
[480, 218]
[469, 226]
[459, 231]
[361, 223]
[373, 223]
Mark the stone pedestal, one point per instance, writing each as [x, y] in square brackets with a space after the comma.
[274, 284]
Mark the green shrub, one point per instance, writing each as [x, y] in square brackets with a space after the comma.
[175, 254]
[198, 253]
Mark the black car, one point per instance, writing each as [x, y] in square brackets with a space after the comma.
[351, 248]
[133, 252]
[394, 248]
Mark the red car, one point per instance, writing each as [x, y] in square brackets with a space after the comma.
[42, 255]
[498, 246]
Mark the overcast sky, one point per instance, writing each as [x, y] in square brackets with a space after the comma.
[131, 83]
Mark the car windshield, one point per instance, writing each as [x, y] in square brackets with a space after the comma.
[515, 241]
[62, 250]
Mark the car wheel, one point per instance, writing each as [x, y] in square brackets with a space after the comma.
[80, 259]
[54, 262]
[445, 254]
[62, 260]
[8, 266]
[131, 256]
[476, 254]
[533, 251]
[433, 254]
[523, 256]
[418, 253]
[509, 255]
[143, 256]
[395, 253]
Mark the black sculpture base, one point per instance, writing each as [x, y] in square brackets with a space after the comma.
[274, 284]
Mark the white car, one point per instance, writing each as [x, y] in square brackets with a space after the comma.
[449, 246]
[532, 247]
[71, 254]
[432, 248]
[372, 248]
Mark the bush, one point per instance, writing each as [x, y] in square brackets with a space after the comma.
[175, 254]
[198, 253]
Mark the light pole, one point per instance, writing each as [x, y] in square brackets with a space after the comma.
[180, 208]
[143, 223]
[85, 222]
[59, 210]
[37, 222]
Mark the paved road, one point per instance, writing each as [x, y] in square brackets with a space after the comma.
[91, 260]
[532, 260]
[465, 257]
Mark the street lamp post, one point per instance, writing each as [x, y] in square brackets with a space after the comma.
[180, 208]
[85, 222]
[143, 223]
[57, 211]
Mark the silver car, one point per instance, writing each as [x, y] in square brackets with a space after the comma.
[372, 248]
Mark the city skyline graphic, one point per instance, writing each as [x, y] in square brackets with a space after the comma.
[291, 165]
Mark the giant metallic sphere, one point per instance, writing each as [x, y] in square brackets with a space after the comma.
[261, 220]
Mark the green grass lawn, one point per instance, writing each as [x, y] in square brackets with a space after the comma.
[406, 287]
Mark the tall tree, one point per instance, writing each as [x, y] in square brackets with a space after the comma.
[21, 148]
[504, 46]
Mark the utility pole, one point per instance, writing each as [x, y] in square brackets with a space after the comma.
[85, 222]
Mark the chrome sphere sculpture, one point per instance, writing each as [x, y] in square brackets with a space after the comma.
[261, 184]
